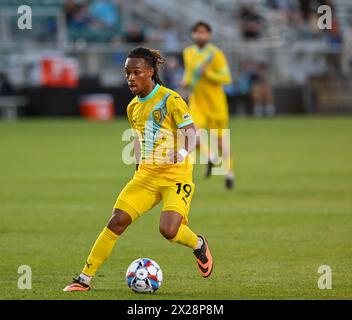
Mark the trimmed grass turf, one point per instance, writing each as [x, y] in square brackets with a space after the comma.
[290, 213]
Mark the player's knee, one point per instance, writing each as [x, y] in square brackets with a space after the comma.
[119, 221]
[168, 231]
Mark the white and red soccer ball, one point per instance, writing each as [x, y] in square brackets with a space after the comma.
[144, 275]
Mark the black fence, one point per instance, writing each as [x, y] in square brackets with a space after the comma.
[59, 102]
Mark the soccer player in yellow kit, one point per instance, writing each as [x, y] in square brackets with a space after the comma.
[163, 172]
[206, 71]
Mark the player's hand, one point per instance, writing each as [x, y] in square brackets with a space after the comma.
[175, 157]
[184, 85]
[203, 69]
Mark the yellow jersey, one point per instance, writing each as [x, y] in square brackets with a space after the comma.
[156, 119]
[206, 91]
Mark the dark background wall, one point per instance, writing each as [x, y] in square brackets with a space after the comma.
[48, 102]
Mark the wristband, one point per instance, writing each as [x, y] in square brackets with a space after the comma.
[183, 153]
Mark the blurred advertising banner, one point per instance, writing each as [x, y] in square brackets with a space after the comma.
[59, 72]
[98, 107]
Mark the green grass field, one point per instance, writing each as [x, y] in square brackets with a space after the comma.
[290, 213]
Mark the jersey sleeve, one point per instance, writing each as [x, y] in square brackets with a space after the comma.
[179, 111]
[220, 71]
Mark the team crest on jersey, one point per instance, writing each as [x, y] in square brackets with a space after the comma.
[157, 115]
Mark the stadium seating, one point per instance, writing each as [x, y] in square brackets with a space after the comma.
[99, 51]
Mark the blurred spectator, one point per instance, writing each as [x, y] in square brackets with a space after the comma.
[169, 37]
[70, 9]
[173, 73]
[104, 14]
[305, 8]
[301, 15]
[134, 34]
[78, 15]
[243, 87]
[309, 14]
[6, 87]
[96, 21]
[335, 42]
[347, 49]
[288, 11]
[251, 22]
[333, 35]
[262, 93]
[309, 7]
[253, 90]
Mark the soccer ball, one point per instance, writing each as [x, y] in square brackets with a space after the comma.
[144, 275]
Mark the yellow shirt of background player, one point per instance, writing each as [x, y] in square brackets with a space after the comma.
[206, 91]
[156, 119]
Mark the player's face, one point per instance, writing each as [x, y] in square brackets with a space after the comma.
[201, 36]
[138, 75]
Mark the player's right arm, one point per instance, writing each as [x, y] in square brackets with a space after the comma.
[221, 72]
[136, 141]
[137, 150]
[187, 75]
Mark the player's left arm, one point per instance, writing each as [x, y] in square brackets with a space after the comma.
[190, 137]
[184, 122]
[219, 72]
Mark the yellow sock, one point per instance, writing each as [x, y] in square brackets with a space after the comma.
[186, 237]
[100, 252]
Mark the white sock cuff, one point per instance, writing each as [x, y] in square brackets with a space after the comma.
[85, 279]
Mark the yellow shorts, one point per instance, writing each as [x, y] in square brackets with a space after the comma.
[203, 121]
[146, 190]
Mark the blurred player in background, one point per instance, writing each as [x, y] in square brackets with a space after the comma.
[206, 71]
[155, 109]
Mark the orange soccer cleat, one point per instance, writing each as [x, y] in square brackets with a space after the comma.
[77, 285]
[204, 258]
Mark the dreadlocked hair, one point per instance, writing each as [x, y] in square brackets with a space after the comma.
[153, 58]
